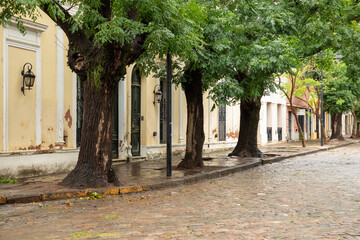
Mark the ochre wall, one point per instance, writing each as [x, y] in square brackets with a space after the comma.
[69, 111]
[1, 89]
[21, 115]
[48, 85]
[22, 109]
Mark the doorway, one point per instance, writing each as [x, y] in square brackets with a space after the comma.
[222, 122]
[135, 111]
[163, 111]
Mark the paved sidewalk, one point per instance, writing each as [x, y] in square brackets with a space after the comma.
[149, 175]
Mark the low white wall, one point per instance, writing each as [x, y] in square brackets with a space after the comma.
[26, 165]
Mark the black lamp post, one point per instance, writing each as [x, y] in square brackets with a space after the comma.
[28, 77]
[169, 110]
[168, 122]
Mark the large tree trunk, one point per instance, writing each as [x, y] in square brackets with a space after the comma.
[336, 126]
[301, 132]
[249, 120]
[195, 135]
[94, 166]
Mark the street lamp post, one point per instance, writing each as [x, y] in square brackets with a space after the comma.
[322, 107]
[169, 111]
[168, 122]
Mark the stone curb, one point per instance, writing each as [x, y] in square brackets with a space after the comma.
[155, 186]
[127, 190]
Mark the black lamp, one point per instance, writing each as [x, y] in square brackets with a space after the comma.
[157, 94]
[28, 77]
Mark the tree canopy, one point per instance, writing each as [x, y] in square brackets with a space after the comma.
[106, 36]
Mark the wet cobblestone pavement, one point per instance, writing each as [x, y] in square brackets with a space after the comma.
[311, 197]
[154, 171]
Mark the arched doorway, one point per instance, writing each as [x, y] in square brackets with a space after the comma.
[135, 111]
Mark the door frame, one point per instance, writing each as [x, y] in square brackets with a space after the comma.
[13, 38]
[222, 108]
[133, 85]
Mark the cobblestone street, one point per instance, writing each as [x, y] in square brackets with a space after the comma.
[311, 197]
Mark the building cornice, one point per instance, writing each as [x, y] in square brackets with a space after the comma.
[29, 25]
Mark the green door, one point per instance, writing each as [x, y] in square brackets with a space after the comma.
[135, 111]
[115, 128]
[163, 111]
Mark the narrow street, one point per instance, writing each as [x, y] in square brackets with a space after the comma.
[311, 197]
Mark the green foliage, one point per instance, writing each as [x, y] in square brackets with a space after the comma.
[111, 217]
[338, 97]
[164, 22]
[256, 50]
[196, 42]
[95, 75]
[87, 235]
[78, 235]
[7, 180]
[306, 83]
[95, 195]
[120, 30]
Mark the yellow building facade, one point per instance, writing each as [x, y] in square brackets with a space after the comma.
[40, 128]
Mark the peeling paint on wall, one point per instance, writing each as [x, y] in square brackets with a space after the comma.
[68, 118]
[46, 151]
[121, 146]
[237, 134]
[230, 134]
[214, 131]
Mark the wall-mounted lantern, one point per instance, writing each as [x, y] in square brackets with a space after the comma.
[157, 94]
[28, 77]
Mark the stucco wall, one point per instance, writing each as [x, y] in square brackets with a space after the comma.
[21, 114]
[1, 88]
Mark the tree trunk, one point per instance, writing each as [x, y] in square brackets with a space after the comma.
[322, 127]
[353, 131]
[195, 135]
[94, 166]
[249, 120]
[324, 131]
[358, 130]
[301, 132]
[336, 126]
